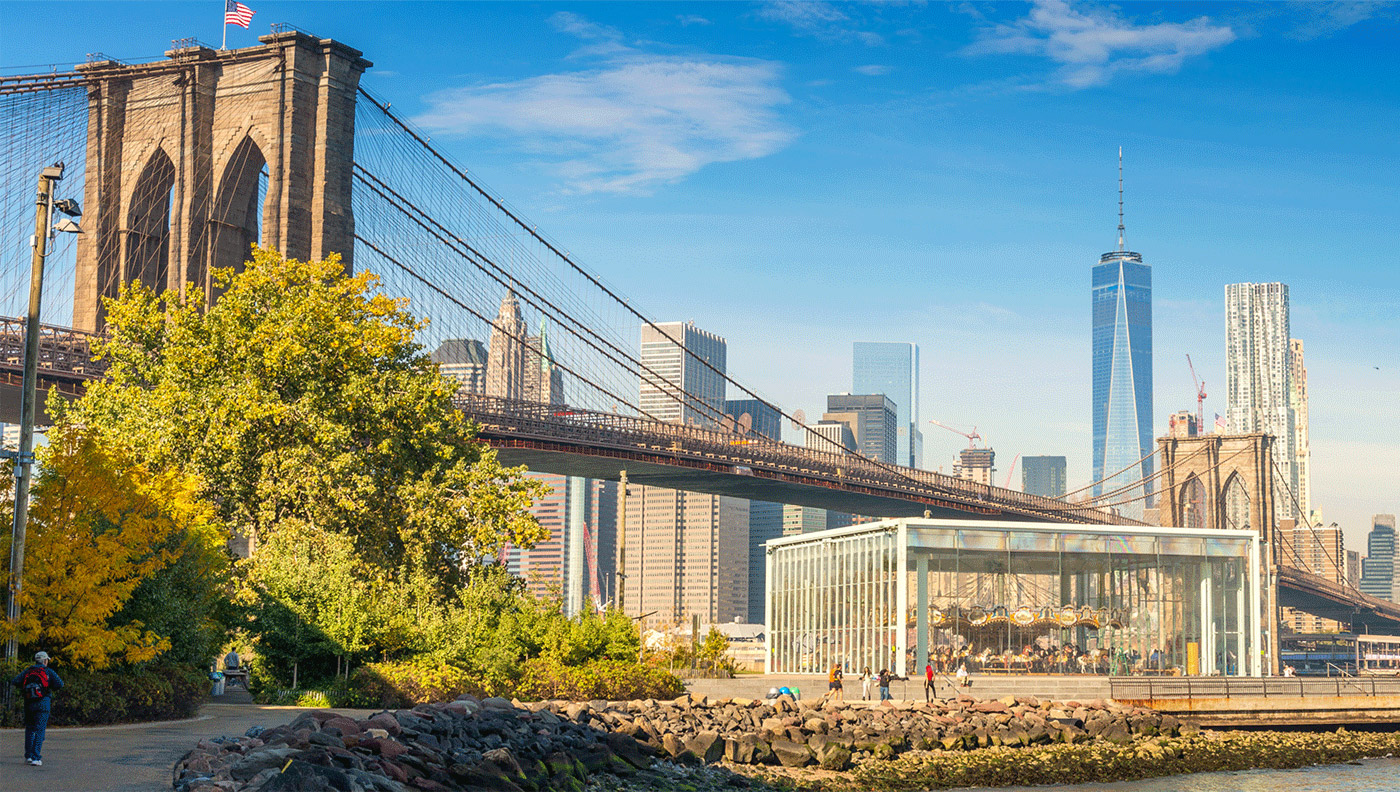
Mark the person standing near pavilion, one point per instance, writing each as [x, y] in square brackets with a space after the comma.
[37, 684]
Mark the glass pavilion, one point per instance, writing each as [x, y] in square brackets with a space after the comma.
[1015, 597]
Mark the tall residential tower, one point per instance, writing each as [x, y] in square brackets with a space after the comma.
[1123, 437]
[1259, 379]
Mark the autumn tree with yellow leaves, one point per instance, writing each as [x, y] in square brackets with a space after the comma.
[101, 526]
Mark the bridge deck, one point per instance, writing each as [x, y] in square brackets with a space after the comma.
[598, 445]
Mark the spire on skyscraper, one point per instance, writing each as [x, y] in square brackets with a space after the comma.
[1120, 198]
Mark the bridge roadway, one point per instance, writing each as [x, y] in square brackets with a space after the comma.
[601, 445]
[574, 442]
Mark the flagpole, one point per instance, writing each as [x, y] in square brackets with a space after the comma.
[223, 45]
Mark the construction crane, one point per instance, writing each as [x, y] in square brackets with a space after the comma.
[1200, 397]
[1014, 460]
[972, 437]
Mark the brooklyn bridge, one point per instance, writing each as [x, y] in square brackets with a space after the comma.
[182, 162]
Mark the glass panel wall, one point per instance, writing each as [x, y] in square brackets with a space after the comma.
[1013, 598]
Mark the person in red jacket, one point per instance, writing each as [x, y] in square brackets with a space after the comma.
[36, 684]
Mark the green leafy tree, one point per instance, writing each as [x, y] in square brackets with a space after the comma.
[316, 427]
[300, 397]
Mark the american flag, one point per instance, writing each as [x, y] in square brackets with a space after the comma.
[236, 13]
[1219, 423]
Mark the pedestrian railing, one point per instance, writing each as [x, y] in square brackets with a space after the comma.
[1157, 688]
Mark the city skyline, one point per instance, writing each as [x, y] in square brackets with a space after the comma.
[943, 182]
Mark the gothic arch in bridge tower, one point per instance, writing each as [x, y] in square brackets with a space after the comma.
[236, 218]
[1195, 505]
[286, 106]
[1234, 502]
[146, 234]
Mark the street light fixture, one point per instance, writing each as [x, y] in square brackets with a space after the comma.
[24, 458]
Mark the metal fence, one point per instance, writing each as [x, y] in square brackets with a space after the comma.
[1158, 688]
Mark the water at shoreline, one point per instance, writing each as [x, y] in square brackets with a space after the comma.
[1367, 775]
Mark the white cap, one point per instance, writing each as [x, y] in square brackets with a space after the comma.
[40, 657]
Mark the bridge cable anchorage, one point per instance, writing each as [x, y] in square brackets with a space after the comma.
[477, 258]
[1336, 563]
[464, 306]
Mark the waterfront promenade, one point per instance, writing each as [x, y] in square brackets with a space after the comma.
[1210, 702]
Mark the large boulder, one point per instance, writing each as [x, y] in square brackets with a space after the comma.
[792, 754]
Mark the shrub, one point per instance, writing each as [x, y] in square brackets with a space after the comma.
[409, 682]
[120, 695]
[404, 684]
[601, 679]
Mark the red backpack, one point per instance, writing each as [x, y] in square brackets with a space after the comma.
[35, 684]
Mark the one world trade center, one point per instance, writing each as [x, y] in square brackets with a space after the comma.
[1123, 442]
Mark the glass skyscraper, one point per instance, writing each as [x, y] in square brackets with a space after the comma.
[893, 369]
[1122, 305]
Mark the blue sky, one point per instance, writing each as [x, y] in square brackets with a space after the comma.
[811, 174]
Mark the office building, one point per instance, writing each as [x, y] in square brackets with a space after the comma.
[543, 380]
[505, 365]
[1183, 424]
[464, 360]
[683, 379]
[1378, 567]
[763, 418]
[803, 519]
[1258, 380]
[872, 420]
[976, 464]
[1354, 568]
[765, 518]
[1319, 550]
[687, 554]
[576, 561]
[832, 436]
[893, 369]
[1298, 400]
[1044, 475]
[1122, 371]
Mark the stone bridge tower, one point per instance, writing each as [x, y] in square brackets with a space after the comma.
[192, 159]
[1226, 481]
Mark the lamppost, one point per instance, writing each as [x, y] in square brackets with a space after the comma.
[24, 457]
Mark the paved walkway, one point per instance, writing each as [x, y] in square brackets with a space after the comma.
[129, 758]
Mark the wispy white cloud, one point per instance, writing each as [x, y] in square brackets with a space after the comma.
[629, 121]
[818, 19]
[687, 20]
[873, 69]
[1320, 20]
[1093, 45]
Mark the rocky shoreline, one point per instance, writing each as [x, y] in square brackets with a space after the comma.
[696, 743]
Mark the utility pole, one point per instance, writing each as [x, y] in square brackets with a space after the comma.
[622, 543]
[25, 460]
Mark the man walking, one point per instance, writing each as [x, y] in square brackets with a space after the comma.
[36, 686]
